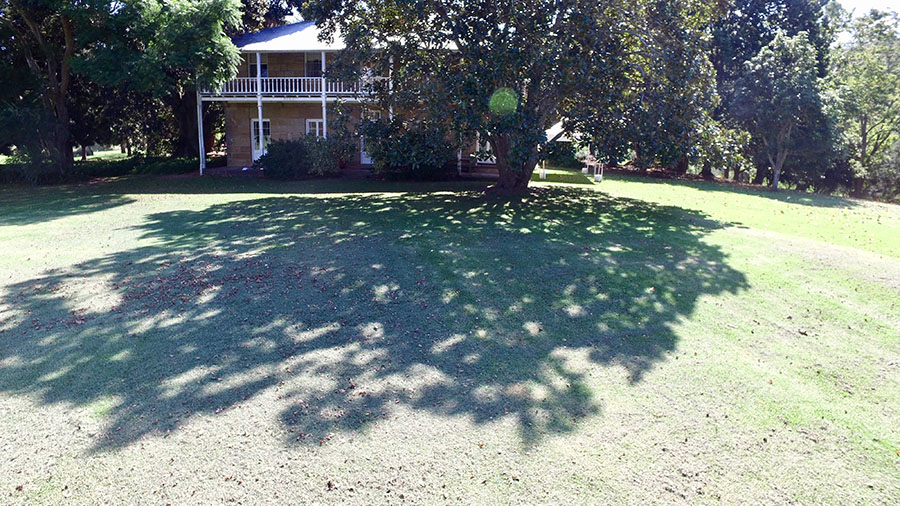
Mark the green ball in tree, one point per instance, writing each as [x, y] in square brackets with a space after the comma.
[504, 101]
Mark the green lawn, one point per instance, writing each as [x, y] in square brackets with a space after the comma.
[184, 340]
[106, 154]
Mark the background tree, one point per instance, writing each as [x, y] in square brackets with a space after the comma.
[259, 14]
[147, 51]
[883, 182]
[778, 99]
[547, 58]
[168, 49]
[865, 77]
[672, 88]
[91, 114]
[748, 26]
[45, 35]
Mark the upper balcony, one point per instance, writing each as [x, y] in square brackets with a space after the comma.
[284, 88]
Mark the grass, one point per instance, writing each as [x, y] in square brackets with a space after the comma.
[213, 340]
[103, 154]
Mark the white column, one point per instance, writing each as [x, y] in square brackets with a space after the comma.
[259, 103]
[459, 162]
[200, 131]
[391, 87]
[324, 102]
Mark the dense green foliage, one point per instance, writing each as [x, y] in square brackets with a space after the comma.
[789, 92]
[300, 158]
[116, 72]
[574, 60]
[865, 77]
[414, 149]
[20, 170]
[778, 99]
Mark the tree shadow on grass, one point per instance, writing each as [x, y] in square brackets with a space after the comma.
[34, 205]
[336, 311]
[782, 195]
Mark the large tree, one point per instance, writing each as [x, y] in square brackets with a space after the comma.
[164, 49]
[168, 49]
[778, 99]
[865, 76]
[46, 35]
[747, 27]
[504, 70]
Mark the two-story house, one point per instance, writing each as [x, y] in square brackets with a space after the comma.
[281, 92]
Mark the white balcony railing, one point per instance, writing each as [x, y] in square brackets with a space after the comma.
[284, 87]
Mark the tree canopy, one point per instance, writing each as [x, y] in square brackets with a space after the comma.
[155, 48]
[570, 60]
[778, 96]
[865, 77]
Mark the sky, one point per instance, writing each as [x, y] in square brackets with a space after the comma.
[863, 6]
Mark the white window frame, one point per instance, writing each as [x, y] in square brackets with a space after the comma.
[491, 160]
[263, 62]
[307, 59]
[318, 127]
[367, 113]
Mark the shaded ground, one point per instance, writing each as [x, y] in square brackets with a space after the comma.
[411, 346]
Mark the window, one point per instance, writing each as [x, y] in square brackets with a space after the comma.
[483, 152]
[370, 114]
[313, 65]
[315, 127]
[263, 65]
[267, 134]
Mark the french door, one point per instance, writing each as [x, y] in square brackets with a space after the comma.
[259, 148]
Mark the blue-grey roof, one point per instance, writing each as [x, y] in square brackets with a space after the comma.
[302, 36]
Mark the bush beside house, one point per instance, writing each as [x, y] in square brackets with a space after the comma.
[301, 158]
[408, 150]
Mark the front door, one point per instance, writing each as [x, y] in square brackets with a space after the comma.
[259, 149]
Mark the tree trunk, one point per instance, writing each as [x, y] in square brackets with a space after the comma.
[511, 179]
[857, 191]
[681, 167]
[781, 154]
[760, 176]
[706, 173]
[83, 153]
[777, 165]
[62, 145]
[185, 110]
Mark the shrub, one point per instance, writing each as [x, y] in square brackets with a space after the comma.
[31, 172]
[24, 168]
[408, 150]
[562, 154]
[301, 158]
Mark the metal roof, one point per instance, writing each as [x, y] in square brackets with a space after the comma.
[302, 36]
[554, 130]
